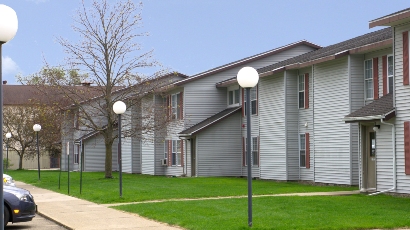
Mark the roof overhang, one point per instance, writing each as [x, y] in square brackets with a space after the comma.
[358, 50]
[385, 117]
[392, 19]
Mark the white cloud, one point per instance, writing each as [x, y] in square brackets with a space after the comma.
[9, 66]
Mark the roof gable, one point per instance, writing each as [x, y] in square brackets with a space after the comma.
[393, 19]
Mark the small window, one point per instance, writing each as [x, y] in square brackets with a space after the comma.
[166, 149]
[368, 79]
[254, 100]
[302, 150]
[390, 73]
[255, 151]
[176, 153]
[175, 106]
[76, 153]
[233, 97]
[301, 90]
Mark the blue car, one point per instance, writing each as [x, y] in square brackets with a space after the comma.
[19, 205]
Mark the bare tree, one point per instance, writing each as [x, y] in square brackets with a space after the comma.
[110, 55]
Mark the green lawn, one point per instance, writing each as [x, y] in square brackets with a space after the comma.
[316, 212]
[142, 187]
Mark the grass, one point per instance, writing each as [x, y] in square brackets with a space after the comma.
[143, 187]
[314, 212]
[317, 212]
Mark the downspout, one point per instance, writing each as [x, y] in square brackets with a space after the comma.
[394, 159]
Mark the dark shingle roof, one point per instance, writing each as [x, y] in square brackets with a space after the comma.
[246, 60]
[210, 121]
[390, 19]
[366, 39]
[381, 108]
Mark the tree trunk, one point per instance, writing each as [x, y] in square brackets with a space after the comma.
[108, 160]
[21, 161]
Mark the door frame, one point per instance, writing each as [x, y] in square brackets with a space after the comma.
[366, 130]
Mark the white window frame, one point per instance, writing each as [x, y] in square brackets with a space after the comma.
[368, 80]
[235, 96]
[76, 154]
[255, 152]
[166, 149]
[391, 75]
[302, 150]
[254, 100]
[176, 152]
[301, 91]
[175, 106]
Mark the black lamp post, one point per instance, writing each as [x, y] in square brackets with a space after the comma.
[8, 28]
[8, 135]
[248, 78]
[119, 108]
[37, 129]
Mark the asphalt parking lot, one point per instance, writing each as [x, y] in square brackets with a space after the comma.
[38, 222]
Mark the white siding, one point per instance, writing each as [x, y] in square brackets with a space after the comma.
[402, 95]
[147, 142]
[384, 158]
[332, 136]
[219, 148]
[292, 115]
[272, 136]
[94, 154]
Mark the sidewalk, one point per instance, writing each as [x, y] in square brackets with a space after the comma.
[78, 214]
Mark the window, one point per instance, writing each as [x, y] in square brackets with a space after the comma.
[174, 106]
[368, 79]
[302, 150]
[301, 90]
[76, 153]
[255, 151]
[166, 150]
[254, 100]
[233, 97]
[390, 72]
[176, 153]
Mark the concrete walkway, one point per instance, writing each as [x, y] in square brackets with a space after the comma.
[74, 213]
[78, 214]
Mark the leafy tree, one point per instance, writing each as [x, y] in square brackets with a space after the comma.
[113, 60]
[19, 121]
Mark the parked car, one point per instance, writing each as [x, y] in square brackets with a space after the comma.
[19, 205]
[8, 180]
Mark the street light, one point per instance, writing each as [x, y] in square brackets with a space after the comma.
[8, 135]
[119, 108]
[248, 78]
[37, 129]
[8, 28]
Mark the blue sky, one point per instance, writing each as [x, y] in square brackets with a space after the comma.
[192, 36]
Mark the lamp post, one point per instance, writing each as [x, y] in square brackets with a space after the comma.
[8, 135]
[248, 78]
[37, 129]
[8, 28]
[119, 108]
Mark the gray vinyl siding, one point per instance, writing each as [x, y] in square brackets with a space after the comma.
[356, 78]
[67, 136]
[292, 134]
[384, 158]
[94, 154]
[203, 99]
[332, 136]
[306, 117]
[254, 133]
[136, 140]
[219, 148]
[273, 135]
[147, 145]
[402, 95]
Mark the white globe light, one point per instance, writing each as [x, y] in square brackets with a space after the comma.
[36, 127]
[247, 77]
[119, 107]
[8, 23]
[8, 135]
